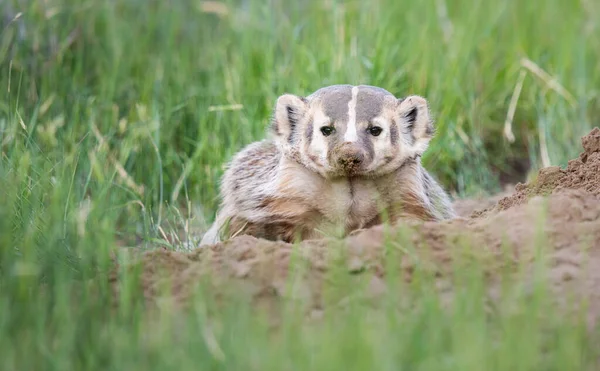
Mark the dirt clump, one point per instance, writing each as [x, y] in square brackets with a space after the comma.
[581, 173]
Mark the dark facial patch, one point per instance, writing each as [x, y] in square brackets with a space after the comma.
[369, 103]
[309, 132]
[335, 100]
[366, 143]
[394, 132]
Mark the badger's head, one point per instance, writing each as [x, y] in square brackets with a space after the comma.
[352, 131]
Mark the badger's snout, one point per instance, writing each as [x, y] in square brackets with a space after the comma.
[349, 158]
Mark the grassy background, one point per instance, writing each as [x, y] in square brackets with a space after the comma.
[117, 117]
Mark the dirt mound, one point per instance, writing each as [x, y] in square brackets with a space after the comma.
[581, 173]
[558, 215]
[504, 240]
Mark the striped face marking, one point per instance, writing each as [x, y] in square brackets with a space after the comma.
[339, 139]
[350, 134]
[355, 131]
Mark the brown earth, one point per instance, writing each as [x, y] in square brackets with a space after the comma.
[581, 173]
[557, 215]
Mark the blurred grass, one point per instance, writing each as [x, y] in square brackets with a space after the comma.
[117, 117]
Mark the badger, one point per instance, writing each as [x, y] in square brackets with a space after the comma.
[341, 159]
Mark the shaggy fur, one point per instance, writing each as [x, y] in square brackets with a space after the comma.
[338, 160]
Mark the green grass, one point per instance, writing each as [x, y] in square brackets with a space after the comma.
[115, 121]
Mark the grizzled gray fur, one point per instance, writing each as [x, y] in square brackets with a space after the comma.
[341, 159]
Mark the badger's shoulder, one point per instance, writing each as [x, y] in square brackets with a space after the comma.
[413, 191]
[249, 172]
[250, 168]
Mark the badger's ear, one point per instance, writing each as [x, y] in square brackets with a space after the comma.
[415, 122]
[289, 110]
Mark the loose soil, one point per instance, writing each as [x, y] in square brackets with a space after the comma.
[581, 173]
[556, 215]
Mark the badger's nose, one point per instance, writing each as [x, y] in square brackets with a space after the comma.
[351, 159]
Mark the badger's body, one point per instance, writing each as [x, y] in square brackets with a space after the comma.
[344, 158]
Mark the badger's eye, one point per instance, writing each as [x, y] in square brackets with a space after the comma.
[327, 130]
[375, 130]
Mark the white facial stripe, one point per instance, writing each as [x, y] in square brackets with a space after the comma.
[350, 135]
